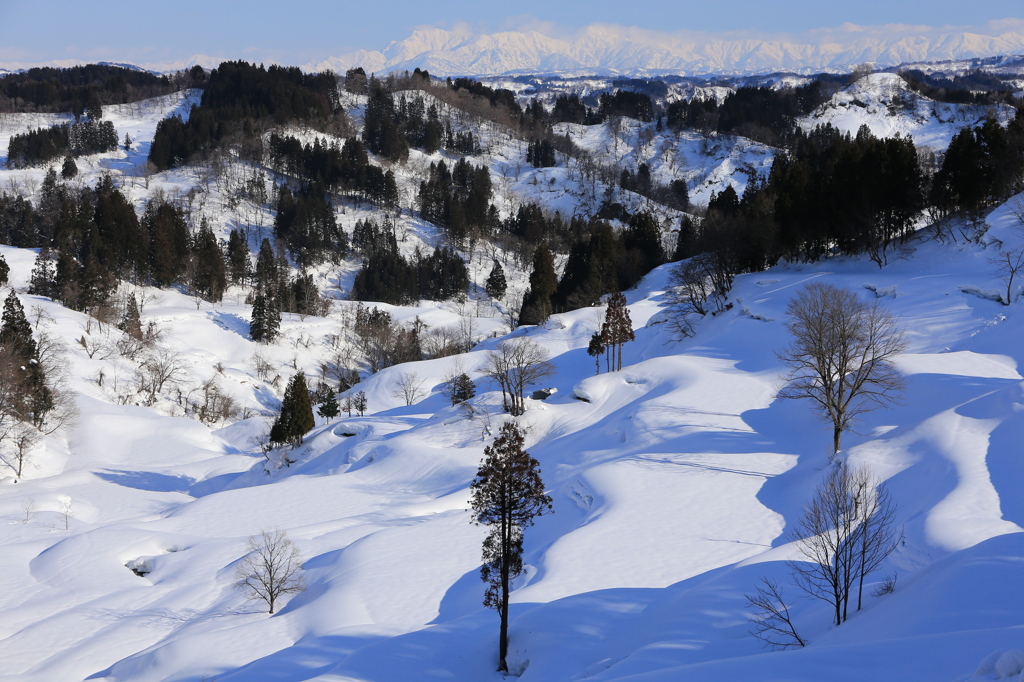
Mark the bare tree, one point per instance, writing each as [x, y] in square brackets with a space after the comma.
[844, 532]
[271, 569]
[160, 368]
[772, 623]
[1008, 263]
[841, 354]
[695, 288]
[514, 365]
[408, 387]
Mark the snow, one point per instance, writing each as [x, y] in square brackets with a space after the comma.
[675, 483]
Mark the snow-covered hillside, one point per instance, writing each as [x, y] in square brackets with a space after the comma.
[675, 481]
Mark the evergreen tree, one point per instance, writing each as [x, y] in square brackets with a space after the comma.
[596, 350]
[238, 258]
[543, 283]
[359, 402]
[5, 271]
[267, 278]
[131, 323]
[617, 328]
[296, 417]
[15, 330]
[329, 409]
[31, 399]
[496, 284]
[508, 494]
[69, 169]
[266, 319]
[127, 142]
[686, 241]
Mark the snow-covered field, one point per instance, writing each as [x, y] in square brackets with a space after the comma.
[674, 483]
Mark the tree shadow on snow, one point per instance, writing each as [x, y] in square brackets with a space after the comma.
[148, 480]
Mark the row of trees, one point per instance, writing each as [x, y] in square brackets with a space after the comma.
[78, 89]
[42, 145]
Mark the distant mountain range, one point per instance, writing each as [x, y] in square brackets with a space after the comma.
[612, 50]
[609, 50]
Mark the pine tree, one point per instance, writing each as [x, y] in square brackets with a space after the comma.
[496, 284]
[596, 349]
[5, 271]
[507, 494]
[131, 323]
[238, 257]
[296, 418]
[15, 330]
[617, 328]
[127, 142]
[359, 402]
[266, 319]
[69, 169]
[543, 283]
[31, 398]
[329, 409]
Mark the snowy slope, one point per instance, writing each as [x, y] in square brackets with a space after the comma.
[674, 483]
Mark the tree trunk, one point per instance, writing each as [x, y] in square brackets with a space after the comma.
[506, 543]
[837, 434]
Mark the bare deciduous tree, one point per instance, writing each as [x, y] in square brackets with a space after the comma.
[271, 569]
[841, 354]
[772, 623]
[408, 387]
[844, 533]
[695, 288]
[161, 367]
[514, 365]
[1008, 264]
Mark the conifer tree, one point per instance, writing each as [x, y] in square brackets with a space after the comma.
[359, 402]
[507, 495]
[596, 349]
[496, 284]
[296, 418]
[543, 283]
[238, 257]
[131, 323]
[329, 409]
[69, 169]
[617, 328]
[5, 271]
[266, 319]
[30, 397]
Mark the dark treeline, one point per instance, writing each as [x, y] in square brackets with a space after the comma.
[90, 238]
[305, 223]
[340, 169]
[458, 200]
[836, 193]
[76, 89]
[386, 275]
[601, 260]
[39, 146]
[762, 114]
[239, 101]
[973, 87]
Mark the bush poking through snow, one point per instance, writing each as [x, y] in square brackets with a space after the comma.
[271, 569]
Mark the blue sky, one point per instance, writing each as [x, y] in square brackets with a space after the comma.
[302, 30]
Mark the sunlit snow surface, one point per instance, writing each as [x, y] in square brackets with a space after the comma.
[674, 486]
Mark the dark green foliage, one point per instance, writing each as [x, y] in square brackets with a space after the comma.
[627, 103]
[457, 200]
[207, 272]
[5, 271]
[168, 242]
[687, 239]
[973, 87]
[69, 170]
[543, 283]
[386, 275]
[29, 397]
[596, 349]
[131, 323]
[381, 133]
[981, 167]
[507, 495]
[460, 388]
[541, 154]
[355, 80]
[296, 417]
[496, 284]
[326, 401]
[41, 145]
[266, 319]
[43, 281]
[571, 109]
[499, 99]
[71, 90]
[359, 403]
[238, 258]
[239, 97]
[305, 222]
